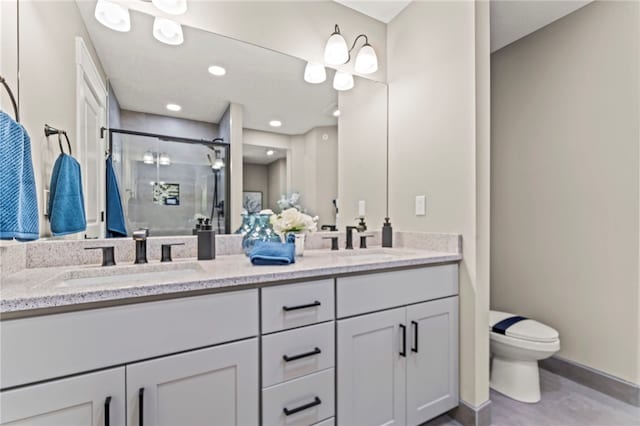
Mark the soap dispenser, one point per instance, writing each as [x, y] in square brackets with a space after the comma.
[206, 241]
[387, 233]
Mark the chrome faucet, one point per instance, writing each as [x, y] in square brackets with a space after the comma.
[140, 237]
[362, 226]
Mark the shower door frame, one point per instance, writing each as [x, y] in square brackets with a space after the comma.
[217, 142]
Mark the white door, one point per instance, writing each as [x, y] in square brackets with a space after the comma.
[95, 399]
[215, 387]
[91, 102]
[432, 360]
[371, 369]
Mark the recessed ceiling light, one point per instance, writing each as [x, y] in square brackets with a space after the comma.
[167, 31]
[275, 123]
[270, 152]
[217, 70]
[174, 107]
[113, 16]
[336, 113]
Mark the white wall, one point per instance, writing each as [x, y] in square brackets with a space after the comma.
[230, 127]
[438, 125]
[277, 182]
[8, 51]
[255, 177]
[565, 187]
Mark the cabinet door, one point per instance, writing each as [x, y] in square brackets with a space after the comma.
[77, 401]
[432, 360]
[215, 386]
[371, 369]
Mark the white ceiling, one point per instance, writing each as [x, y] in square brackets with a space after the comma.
[254, 154]
[381, 10]
[146, 75]
[510, 19]
[514, 19]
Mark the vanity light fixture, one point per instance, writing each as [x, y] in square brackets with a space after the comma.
[343, 81]
[113, 16]
[148, 158]
[270, 152]
[336, 52]
[167, 31]
[164, 159]
[275, 123]
[218, 163]
[315, 73]
[172, 7]
[336, 113]
[217, 70]
[174, 107]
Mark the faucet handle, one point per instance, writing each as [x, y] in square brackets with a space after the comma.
[334, 242]
[166, 251]
[363, 240]
[108, 257]
[141, 234]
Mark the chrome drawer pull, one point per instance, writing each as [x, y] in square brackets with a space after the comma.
[287, 358]
[312, 404]
[294, 308]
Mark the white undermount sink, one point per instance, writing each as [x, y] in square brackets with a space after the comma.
[130, 273]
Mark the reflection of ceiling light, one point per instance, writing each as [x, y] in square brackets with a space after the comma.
[174, 107]
[336, 113]
[366, 61]
[336, 51]
[314, 73]
[147, 158]
[167, 31]
[113, 16]
[217, 70]
[218, 163]
[164, 159]
[172, 7]
[270, 152]
[342, 81]
[275, 123]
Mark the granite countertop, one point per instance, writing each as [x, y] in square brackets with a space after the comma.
[36, 289]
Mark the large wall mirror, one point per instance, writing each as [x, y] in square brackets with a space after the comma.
[215, 126]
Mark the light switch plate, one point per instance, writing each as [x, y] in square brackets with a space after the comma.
[45, 202]
[421, 205]
[361, 208]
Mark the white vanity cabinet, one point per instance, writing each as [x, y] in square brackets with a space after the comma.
[400, 365]
[93, 399]
[216, 386]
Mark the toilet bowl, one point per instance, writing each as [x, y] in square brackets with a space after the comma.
[515, 354]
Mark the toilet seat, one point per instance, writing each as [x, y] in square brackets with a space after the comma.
[525, 331]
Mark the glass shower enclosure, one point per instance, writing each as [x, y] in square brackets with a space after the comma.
[167, 183]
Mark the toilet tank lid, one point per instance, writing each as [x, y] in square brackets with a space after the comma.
[528, 329]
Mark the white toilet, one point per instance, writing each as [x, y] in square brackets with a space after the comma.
[515, 355]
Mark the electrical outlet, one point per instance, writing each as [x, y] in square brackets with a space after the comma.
[45, 202]
[361, 208]
[421, 205]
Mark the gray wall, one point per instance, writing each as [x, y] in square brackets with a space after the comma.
[565, 183]
[255, 177]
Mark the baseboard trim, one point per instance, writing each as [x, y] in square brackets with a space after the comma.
[468, 415]
[595, 379]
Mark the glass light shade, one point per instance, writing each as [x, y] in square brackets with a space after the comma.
[164, 159]
[314, 73]
[343, 81]
[218, 163]
[367, 60]
[147, 158]
[113, 16]
[167, 31]
[172, 7]
[336, 51]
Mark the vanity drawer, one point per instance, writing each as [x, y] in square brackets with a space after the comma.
[315, 392]
[69, 343]
[391, 289]
[294, 305]
[328, 422]
[313, 346]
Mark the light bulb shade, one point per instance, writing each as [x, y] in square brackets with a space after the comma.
[314, 73]
[147, 158]
[167, 31]
[218, 163]
[367, 60]
[343, 81]
[172, 7]
[113, 16]
[336, 51]
[164, 159]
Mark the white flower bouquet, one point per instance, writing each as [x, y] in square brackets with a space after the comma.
[293, 220]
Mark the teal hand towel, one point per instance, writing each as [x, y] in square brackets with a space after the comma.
[116, 226]
[66, 201]
[271, 253]
[18, 201]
